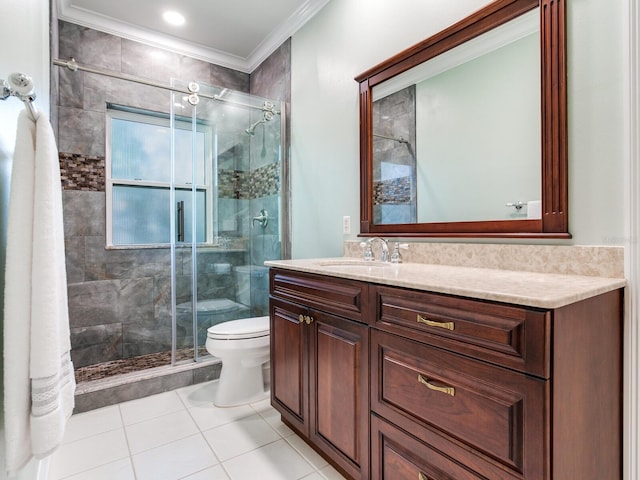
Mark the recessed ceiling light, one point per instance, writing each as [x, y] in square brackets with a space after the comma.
[173, 17]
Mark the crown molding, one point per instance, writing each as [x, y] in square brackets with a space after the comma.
[285, 30]
[70, 13]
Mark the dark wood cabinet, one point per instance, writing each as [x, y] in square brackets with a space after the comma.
[320, 368]
[393, 383]
[506, 391]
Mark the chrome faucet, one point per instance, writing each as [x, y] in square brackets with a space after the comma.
[368, 254]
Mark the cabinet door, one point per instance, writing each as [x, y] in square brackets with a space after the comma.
[289, 372]
[339, 372]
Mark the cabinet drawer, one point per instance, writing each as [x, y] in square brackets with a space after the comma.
[497, 412]
[334, 295]
[509, 336]
[398, 456]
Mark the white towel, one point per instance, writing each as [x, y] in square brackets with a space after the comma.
[38, 374]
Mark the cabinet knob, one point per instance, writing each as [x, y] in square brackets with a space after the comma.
[431, 323]
[300, 318]
[308, 319]
[448, 390]
[422, 476]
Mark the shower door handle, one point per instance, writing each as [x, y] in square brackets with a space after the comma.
[180, 221]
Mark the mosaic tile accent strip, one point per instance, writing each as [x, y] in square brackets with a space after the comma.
[395, 191]
[241, 185]
[265, 181]
[132, 364]
[82, 172]
[232, 184]
[87, 173]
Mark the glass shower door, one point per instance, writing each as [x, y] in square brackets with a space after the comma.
[188, 165]
[234, 181]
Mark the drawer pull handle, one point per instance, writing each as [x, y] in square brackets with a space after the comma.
[448, 390]
[431, 323]
[422, 476]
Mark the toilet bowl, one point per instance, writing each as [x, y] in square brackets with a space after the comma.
[243, 347]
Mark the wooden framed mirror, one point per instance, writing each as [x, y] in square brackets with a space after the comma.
[399, 182]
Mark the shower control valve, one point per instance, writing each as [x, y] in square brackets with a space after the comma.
[262, 219]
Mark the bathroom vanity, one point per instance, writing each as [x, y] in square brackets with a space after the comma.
[433, 372]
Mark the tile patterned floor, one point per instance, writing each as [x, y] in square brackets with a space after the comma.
[182, 435]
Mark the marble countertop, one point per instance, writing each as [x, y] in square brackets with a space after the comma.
[542, 290]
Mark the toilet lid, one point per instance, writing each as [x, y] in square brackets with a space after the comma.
[238, 329]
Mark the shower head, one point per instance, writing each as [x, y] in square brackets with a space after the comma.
[252, 129]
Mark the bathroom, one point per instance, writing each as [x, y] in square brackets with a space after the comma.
[343, 41]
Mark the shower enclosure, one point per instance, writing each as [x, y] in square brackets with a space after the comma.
[194, 201]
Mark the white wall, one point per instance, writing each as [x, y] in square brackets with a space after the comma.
[595, 44]
[349, 36]
[25, 48]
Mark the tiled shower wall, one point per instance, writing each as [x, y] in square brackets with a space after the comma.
[119, 300]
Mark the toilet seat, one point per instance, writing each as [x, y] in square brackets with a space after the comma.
[243, 328]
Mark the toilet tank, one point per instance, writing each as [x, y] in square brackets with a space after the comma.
[252, 283]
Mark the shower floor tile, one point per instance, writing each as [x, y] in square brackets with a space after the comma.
[132, 364]
[174, 436]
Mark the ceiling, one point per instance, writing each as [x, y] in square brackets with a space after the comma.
[238, 34]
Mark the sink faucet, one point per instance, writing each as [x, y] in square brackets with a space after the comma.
[385, 249]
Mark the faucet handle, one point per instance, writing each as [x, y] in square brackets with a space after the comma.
[368, 253]
[395, 256]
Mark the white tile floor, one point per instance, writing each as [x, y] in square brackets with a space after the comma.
[182, 435]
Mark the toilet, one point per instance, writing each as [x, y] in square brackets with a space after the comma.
[242, 344]
[238, 339]
[243, 347]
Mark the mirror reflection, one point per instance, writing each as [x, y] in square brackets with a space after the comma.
[458, 138]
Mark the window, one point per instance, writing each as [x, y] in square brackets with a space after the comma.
[138, 178]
